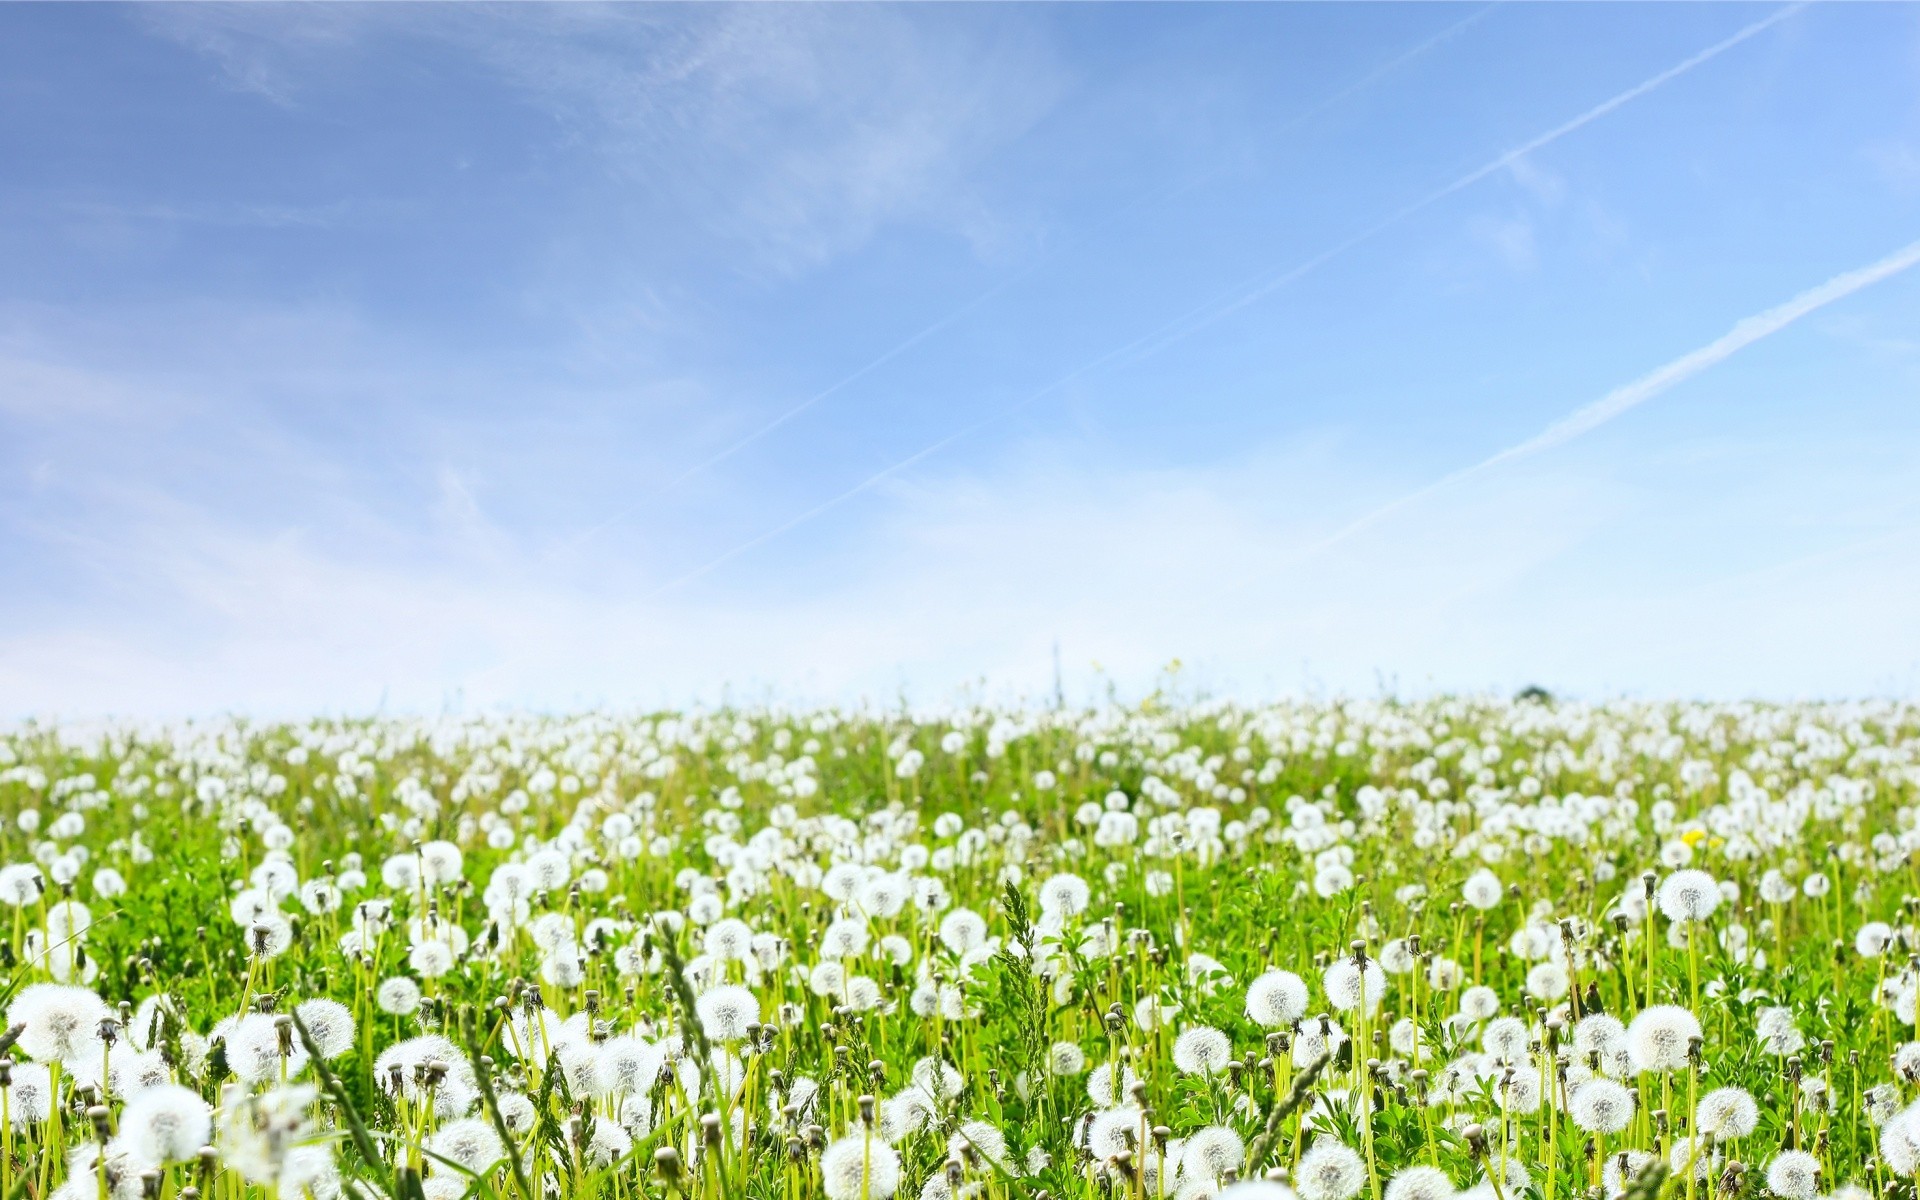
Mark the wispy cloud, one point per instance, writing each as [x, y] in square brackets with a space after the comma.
[1193, 321]
[797, 131]
[972, 577]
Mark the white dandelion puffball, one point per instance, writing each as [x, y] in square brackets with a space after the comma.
[1688, 896]
[254, 1050]
[398, 995]
[1622, 1168]
[1506, 1039]
[1794, 1175]
[1066, 1058]
[1258, 1189]
[330, 1023]
[1100, 1085]
[1349, 985]
[1420, 1183]
[983, 1138]
[1900, 1143]
[61, 1022]
[1599, 1033]
[1479, 1002]
[1873, 939]
[1330, 1170]
[726, 1011]
[609, 1143]
[857, 1166]
[1201, 1050]
[164, 1124]
[1276, 999]
[1548, 981]
[963, 930]
[1659, 1038]
[1211, 1152]
[1601, 1106]
[1482, 889]
[1064, 896]
[30, 1094]
[471, 1142]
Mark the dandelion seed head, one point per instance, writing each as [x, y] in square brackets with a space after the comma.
[1201, 1050]
[1330, 1170]
[1794, 1175]
[855, 1166]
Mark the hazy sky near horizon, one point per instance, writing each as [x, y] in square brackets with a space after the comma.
[563, 355]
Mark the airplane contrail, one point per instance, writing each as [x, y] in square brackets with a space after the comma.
[955, 316]
[1207, 314]
[1628, 397]
[1222, 307]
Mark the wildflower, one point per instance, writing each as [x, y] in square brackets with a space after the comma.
[1688, 895]
[726, 1011]
[1727, 1113]
[1482, 889]
[1623, 1168]
[608, 1144]
[257, 1133]
[1276, 999]
[516, 1112]
[260, 1051]
[440, 863]
[1211, 1152]
[1479, 1002]
[165, 1124]
[1201, 1050]
[1506, 1039]
[61, 1022]
[1349, 985]
[853, 1167]
[398, 995]
[1420, 1183]
[1100, 1085]
[29, 1095]
[330, 1023]
[1660, 1038]
[1601, 1106]
[21, 884]
[469, 1142]
[1873, 939]
[845, 938]
[1065, 1058]
[1778, 1033]
[269, 936]
[963, 930]
[981, 1138]
[1064, 896]
[1330, 1170]
[1794, 1175]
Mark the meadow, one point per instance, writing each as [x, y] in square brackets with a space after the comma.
[1400, 951]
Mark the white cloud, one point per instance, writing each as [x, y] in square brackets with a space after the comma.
[797, 131]
[973, 578]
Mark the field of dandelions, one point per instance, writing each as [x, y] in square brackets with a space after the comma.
[1326, 951]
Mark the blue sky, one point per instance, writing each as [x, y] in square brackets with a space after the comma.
[550, 356]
